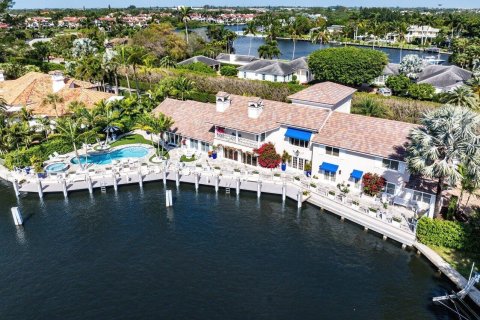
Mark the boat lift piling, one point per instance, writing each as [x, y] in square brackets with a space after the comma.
[16, 187]
[168, 198]
[17, 216]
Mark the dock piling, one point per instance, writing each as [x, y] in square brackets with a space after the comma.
[64, 187]
[217, 178]
[284, 191]
[140, 178]
[90, 186]
[238, 186]
[165, 176]
[40, 188]
[259, 188]
[177, 178]
[168, 198]
[197, 178]
[115, 182]
[17, 217]
[16, 187]
[299, 199]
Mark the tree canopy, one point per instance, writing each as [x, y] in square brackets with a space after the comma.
[347, 65]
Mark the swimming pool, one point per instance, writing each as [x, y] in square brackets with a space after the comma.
[56, 167]
[108, 157]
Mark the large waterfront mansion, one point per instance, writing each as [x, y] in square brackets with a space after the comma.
[316, 128]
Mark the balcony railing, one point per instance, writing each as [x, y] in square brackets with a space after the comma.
[241, 141]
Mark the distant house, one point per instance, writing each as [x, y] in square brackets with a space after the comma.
[424, 33]
[30, 90]
[335, 28]
[276, 71]
[444, 78]
[212, 63]
[71, 22]
[235, 59]
[391, 69]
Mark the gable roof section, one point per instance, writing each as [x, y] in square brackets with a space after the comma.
[277, 69]
[369, 135]
[190, 118]
[329, 93]
[443, 76]
[299, 63]
[256, 65]
[208, 61]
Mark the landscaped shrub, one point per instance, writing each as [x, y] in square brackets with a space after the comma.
[198, 67]
[22, 158]
[421, 91]
[268, 156]
[347, 65]
[228, 71]
[372, 183]
[398, 84]
[449, 234]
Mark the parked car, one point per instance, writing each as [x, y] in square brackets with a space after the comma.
[385, 92]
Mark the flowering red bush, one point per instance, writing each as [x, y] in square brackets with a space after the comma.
[373, 184]
[268, 156]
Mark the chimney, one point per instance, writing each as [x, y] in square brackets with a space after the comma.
[2, 77]
[255, 108]
[222, 101]
[58, 81]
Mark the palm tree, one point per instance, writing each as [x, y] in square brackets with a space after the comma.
[70, 131]
[462, 96]
[294, 29]
[45, 125]
[319, 35]
[167, 62]
[448, 135]
[123, 57]
[183, 87]
[269, 50]
[53, 99]
[372, 108]
[185, 16]
[468, 184]
[251, 29]
[136, 55]
[155, 125]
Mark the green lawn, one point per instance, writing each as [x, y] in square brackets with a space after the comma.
[461, 261]
[130, 139]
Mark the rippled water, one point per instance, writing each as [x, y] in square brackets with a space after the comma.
[126, 256]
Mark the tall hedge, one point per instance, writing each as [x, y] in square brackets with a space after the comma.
[449, 234]
[347, 65]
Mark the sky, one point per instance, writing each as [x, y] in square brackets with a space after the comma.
[21, 4]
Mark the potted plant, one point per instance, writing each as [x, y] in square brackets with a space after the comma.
[216, 170]
[396, 221]
[214, 152]
[344, 188]
[305, 195]
[210, 153]
[297, 178]
[308, 169]
[37, 165]
[331, 194]
[236, 172]
[286, 157]
[372, 212]
[355, 204]
[315, 177]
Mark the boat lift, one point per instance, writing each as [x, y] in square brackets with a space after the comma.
[455, 303]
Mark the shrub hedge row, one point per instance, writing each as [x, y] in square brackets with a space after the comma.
[449, 234]
[21, 158]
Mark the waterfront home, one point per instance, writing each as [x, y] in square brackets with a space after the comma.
[212, 63]
[277, 71]
[30, 90]
[424, 33]
[71, 22]
[39, 22]
[235, 59]
[391, 69]
[444, 78]
[316, 129]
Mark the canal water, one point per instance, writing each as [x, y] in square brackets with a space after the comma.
[304, 48]
[125, 256]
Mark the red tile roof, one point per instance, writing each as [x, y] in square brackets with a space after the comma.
[375, 136]
[190, 118]
[324, 93]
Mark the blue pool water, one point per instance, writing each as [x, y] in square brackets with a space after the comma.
[108, 157]
[56, 167]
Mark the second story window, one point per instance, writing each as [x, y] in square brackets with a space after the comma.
[299, 143]
[390, 164]
[332, 151]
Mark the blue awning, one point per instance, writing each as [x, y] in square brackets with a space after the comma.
[298, 134]
[356, 174]
[329, 167]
